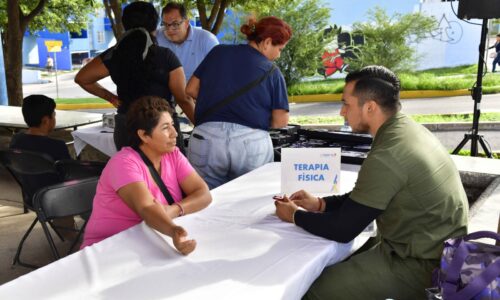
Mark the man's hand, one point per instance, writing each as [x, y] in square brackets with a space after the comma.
[285, 209]
[181, 243]
[306, 201]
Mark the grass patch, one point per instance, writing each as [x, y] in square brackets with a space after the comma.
[456, 78]
[455, 118]
[305, 120]
[452, 118]
[480, 154]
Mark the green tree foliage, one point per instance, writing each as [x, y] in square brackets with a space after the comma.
[55, 16]
[389, 39]
[308, 19]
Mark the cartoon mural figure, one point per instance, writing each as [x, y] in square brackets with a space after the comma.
[332, 58]
[343, 45]
[448, 31]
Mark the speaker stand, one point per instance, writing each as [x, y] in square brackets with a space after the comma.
[477, 93]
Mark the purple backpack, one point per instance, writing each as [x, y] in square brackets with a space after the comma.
[470, 270]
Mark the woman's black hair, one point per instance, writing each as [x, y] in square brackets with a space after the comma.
[140, 14]
[145, 114]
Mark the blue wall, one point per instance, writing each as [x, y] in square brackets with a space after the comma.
[3, 86]
[63, 57]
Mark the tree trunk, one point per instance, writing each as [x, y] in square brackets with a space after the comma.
[113, 10]
[13, 54]
[220, 16]
[213, 22]
[17, 23]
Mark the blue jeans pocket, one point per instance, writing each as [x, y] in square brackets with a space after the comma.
[198, 151]
[259, 152]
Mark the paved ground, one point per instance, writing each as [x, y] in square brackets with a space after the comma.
[445, 105]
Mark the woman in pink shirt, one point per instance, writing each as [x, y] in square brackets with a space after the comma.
[127, 193]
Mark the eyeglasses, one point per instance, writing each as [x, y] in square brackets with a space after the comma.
[174, 25]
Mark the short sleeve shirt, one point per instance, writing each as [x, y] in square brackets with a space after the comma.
[228, 68]
[163, 62]
[110, 214]
[193, 50]
[410, 176]
[56, 149]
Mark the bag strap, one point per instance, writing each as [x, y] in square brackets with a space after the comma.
[235, 95]
[450, 285]
[156, 176]
[482, 234]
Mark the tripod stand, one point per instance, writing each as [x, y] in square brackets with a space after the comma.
[477, 92]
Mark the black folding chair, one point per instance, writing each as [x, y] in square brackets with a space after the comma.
[70, 169]
[33, 171]
[65, 199]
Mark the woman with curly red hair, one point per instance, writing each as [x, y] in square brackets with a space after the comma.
[239, 94]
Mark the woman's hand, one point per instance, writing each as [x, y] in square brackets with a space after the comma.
[172, 211]
[181, 243]
[307, 201]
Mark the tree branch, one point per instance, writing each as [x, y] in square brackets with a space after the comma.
[24, 20]
[203, 14]
[220, 16]
[214, 13]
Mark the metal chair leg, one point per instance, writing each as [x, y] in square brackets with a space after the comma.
[54, 227]
[50, 240]
[77, 237]
[17, 258]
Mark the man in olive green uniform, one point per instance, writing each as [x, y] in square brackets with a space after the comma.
[408, 184]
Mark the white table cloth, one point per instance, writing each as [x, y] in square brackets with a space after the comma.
[12, 117]
[98, 136]
[243, 252]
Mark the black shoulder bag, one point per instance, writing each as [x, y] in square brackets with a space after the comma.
[156, 176]
[235, 95]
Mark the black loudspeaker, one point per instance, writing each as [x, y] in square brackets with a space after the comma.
[479, 9]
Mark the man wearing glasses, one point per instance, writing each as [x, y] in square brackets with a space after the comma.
[190, 44]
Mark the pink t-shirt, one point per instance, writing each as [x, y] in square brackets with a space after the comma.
[110, 215]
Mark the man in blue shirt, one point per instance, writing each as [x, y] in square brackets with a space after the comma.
[190, 44]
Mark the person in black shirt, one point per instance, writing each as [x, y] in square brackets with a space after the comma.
[138, 67]
[40, 116]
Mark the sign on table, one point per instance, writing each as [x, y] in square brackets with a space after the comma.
[316, 170]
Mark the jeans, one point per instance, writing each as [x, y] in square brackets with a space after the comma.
[221, 151]
[495, 62]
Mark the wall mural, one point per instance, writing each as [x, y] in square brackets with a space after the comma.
[448, 31]
[343, 45]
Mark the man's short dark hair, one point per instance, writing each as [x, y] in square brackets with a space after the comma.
[35, 107]
[175, 6]
[140, 14]
[376, 83]
[498, 34]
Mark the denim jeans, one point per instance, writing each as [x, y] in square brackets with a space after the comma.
[221, 151]
[495, 62]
